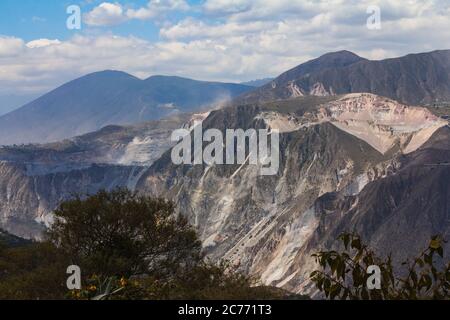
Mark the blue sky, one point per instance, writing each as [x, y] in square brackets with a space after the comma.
[33, 19]
[30, 19]
[221, 40]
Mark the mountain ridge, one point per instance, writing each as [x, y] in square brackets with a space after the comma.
[419, 78]
[109, 97]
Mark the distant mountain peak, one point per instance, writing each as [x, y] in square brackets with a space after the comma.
[341, 53]
[109, 73]
[413, 79]
[337, 59]
[341, 58]
[332, 59]
[109, 97]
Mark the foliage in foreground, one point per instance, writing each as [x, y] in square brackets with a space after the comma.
[343, 275]
[128, 247]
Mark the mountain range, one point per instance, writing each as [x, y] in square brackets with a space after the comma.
[413, 79]
[109, 98]
[112, 97]
[349, 161]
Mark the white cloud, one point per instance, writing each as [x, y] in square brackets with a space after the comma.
[39, 43]
[227, 6]
[155, 8]
[10, 46]
[266, 9]
[190, 28]
[106, 14]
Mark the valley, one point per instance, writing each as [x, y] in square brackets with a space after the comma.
[348, 162]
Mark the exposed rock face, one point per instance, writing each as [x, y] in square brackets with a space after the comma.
[381, 122]
[412, 79]
[397, 214]
[347, 163]
[26, 201]
[34, 179]
[270, 225]
[319, 90]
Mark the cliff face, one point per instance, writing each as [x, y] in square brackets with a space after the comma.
[26, 201]
[396, 214]
[333, 151]
[34, 179]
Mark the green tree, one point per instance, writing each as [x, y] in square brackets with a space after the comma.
[343, 275]
[120, 233]
[128, 246]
